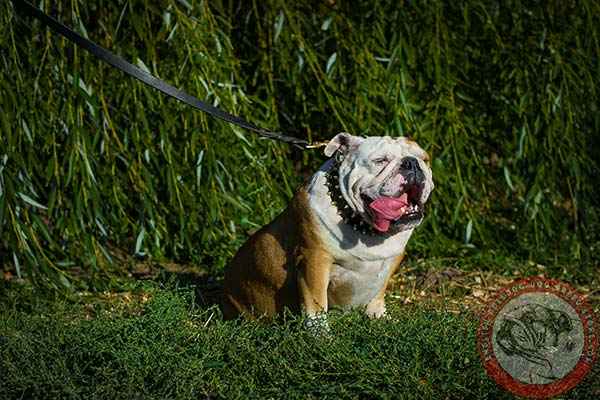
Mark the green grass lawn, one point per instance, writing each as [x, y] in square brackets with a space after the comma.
[158, 340]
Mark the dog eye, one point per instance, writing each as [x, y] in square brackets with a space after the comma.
[381, 161]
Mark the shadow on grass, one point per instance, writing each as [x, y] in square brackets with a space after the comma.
[207, 288]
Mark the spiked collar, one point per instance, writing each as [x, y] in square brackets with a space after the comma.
[349, 216]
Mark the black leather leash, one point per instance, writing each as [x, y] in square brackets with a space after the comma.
[153, 81]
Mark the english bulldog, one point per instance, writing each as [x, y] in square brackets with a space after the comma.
[340, 239]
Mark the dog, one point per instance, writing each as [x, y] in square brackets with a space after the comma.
[341, 238]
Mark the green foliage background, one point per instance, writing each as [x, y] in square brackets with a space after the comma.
[97, 170]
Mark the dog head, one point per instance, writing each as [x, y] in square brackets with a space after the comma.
[384, 180]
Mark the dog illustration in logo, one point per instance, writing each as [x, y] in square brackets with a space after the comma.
[533, 332]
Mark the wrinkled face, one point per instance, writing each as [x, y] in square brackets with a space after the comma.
[385, 180]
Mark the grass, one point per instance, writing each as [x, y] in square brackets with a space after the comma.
[164, 340]
[154, 342]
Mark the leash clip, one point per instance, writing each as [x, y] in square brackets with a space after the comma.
[316, 145]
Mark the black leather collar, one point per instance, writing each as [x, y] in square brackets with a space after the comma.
[343, 209]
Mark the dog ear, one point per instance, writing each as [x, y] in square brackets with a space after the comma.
[342, 143]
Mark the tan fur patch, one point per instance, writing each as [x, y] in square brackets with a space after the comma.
[339, 293]
[270, 272]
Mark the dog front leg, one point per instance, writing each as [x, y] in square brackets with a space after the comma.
[313, 280]
[376, 307]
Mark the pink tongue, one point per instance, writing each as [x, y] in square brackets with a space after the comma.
[388, 209]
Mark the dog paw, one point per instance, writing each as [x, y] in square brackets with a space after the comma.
[318, 326]
[376, 309]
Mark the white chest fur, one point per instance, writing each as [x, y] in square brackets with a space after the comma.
[362, 281]
[361, 263]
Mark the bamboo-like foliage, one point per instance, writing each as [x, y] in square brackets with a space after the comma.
[96, 168]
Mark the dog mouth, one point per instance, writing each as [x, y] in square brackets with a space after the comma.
[395, 214]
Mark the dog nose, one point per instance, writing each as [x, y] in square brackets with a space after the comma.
[409, 163]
